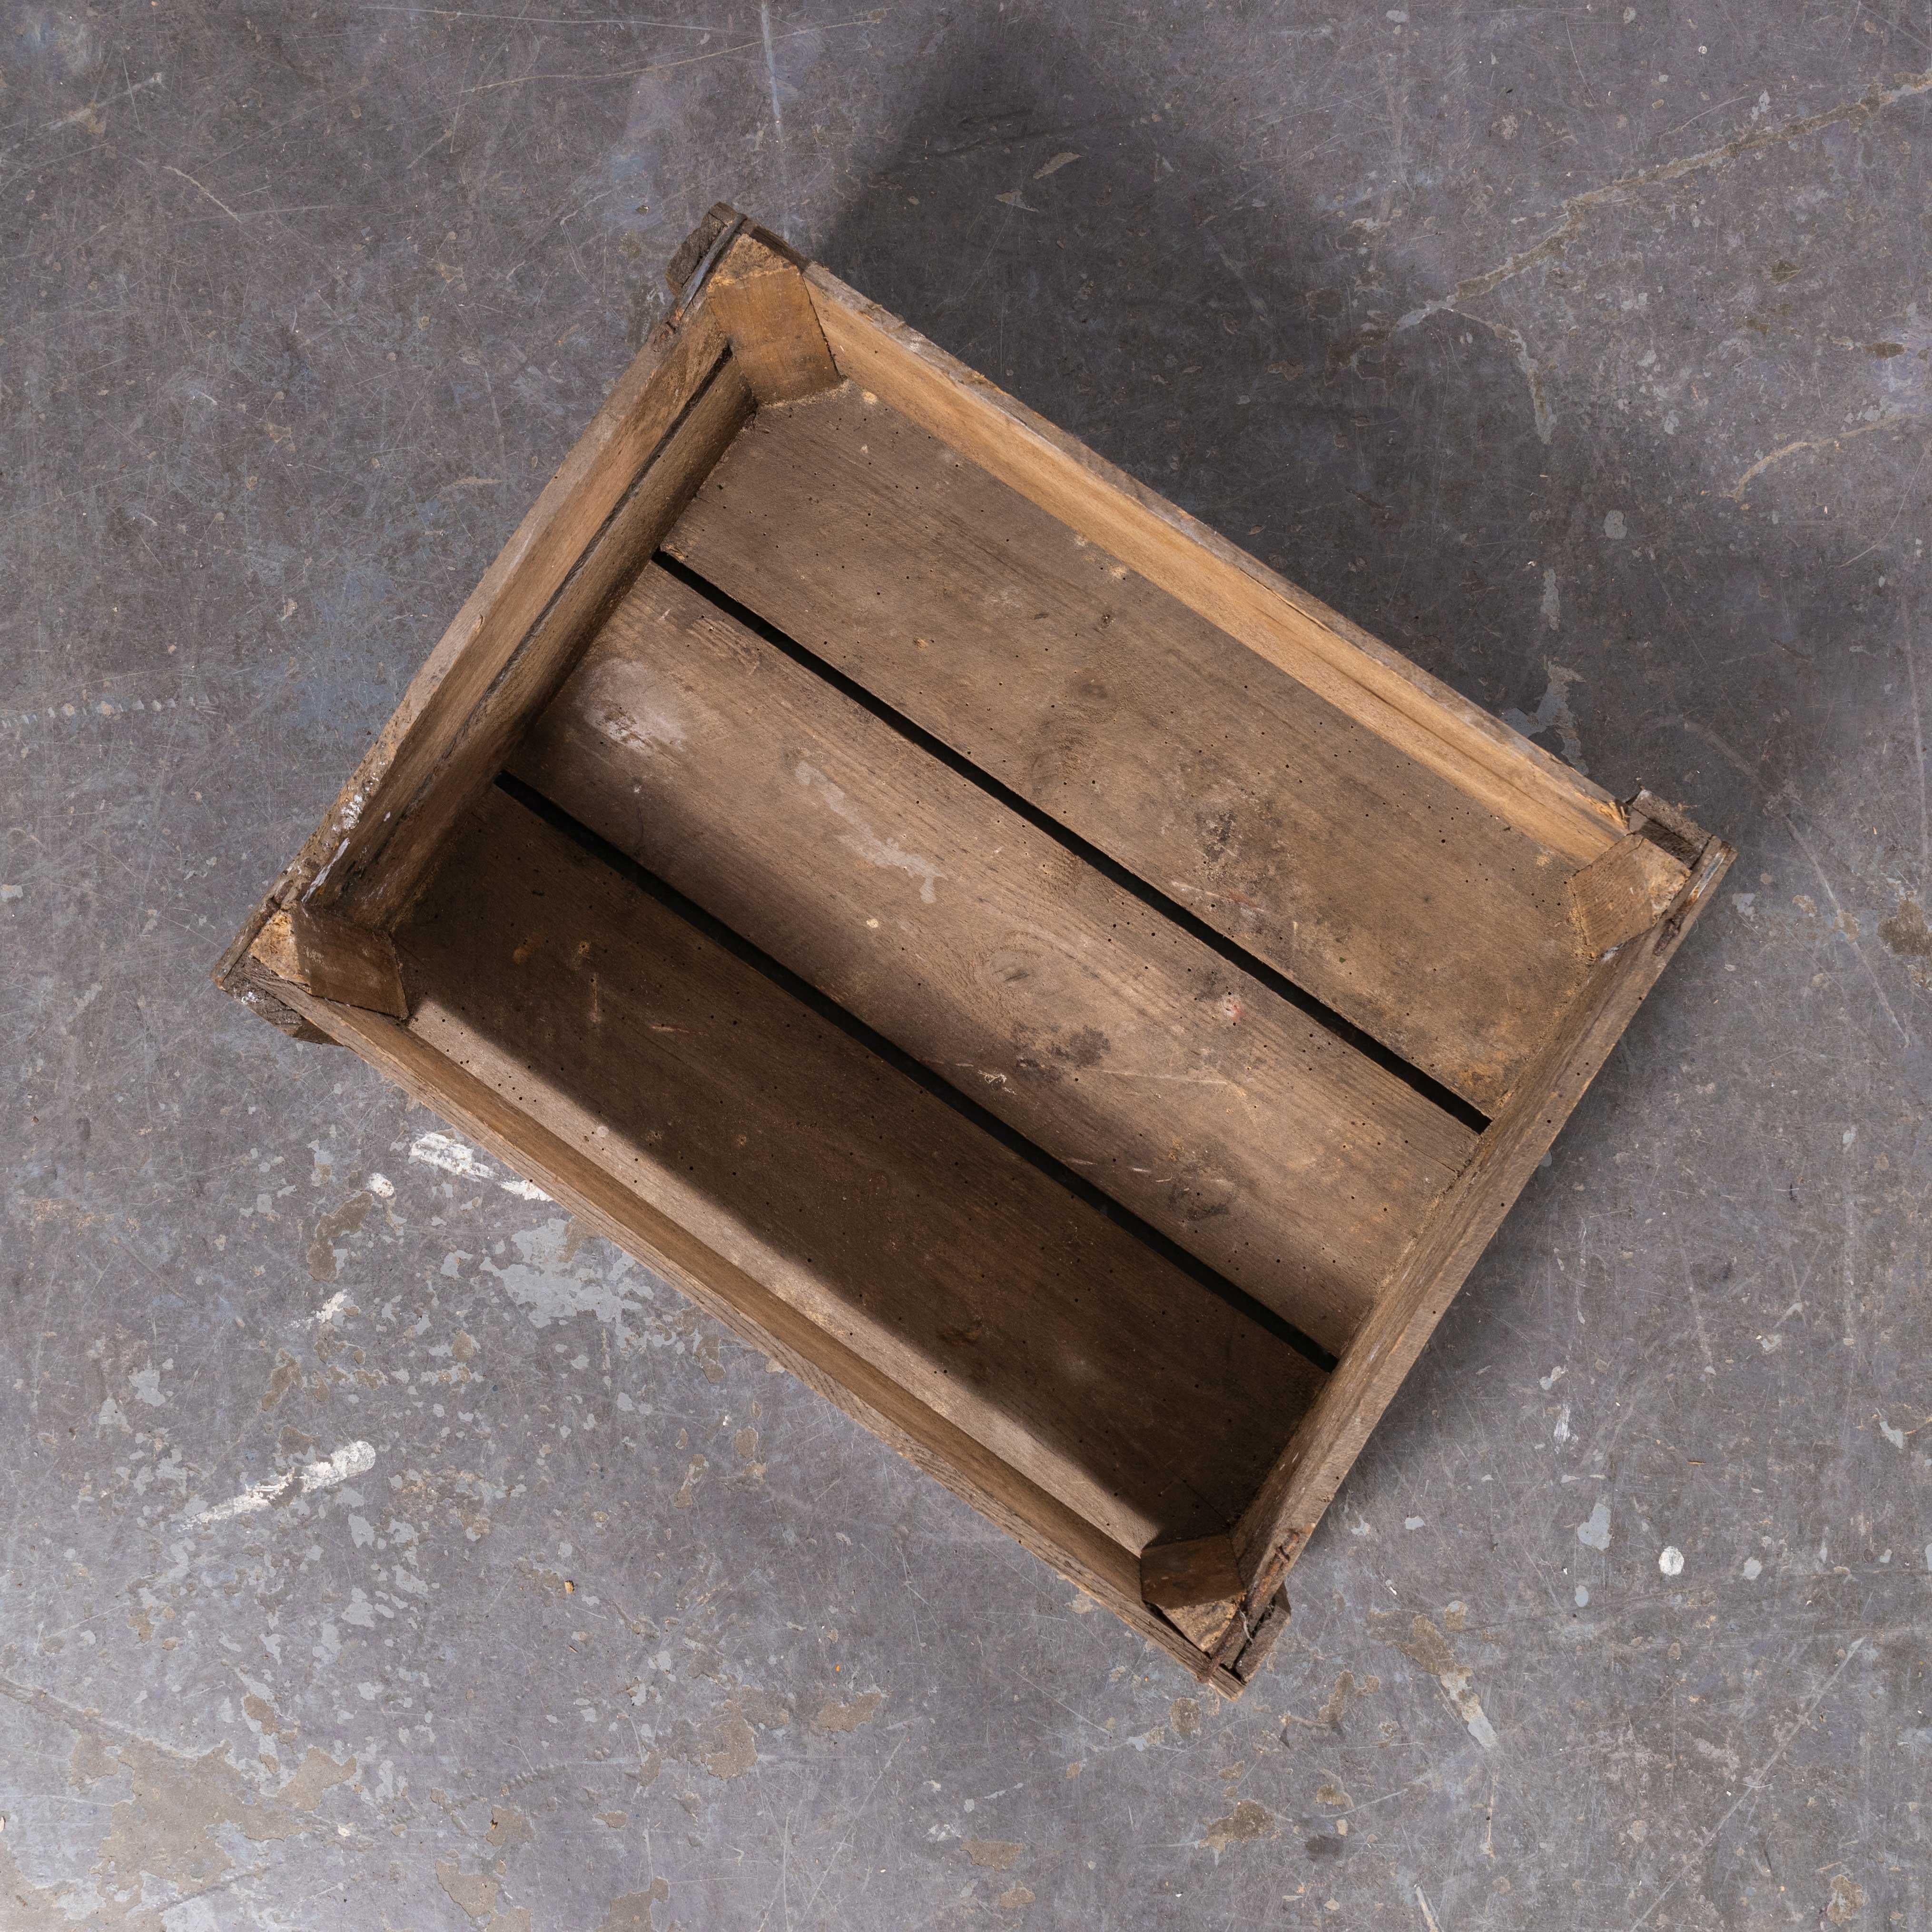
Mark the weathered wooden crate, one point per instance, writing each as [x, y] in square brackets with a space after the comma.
[1080, 1003]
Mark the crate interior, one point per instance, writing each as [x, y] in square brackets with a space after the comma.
[1053, 1002]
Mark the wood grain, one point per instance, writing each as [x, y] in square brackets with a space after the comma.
[1196, 1585]
[334, 960]
[1375, 687]
[1068, 1348]
[1188, 1090]
[1366, 877]
[1624, 892]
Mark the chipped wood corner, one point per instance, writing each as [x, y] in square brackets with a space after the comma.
[757, 292]
[334, 959]
[1626, 892]
[1243, 1659]
[1195, 1586]
[261, 992]
[1634, 886]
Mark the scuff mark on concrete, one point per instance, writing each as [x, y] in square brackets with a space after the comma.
[862, 1710]
[352, 1459]
[1247, 1821]
[1427, 1646]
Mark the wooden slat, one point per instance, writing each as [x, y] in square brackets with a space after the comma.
[589, 1191]
[1367, 877]
[1186, 1088]
[1067, 1347]
[1375, 687]
[1277, 1524]
[383, 892]
[486, 633]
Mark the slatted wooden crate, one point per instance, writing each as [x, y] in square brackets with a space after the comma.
[1080, 1003]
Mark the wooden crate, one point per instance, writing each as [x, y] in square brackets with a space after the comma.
[1081, 1004]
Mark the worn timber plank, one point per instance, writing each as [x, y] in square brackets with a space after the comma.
[1276, 1524]
[1189, 1091]
[1364, 875]
[1065, 1345]
[1363, 677]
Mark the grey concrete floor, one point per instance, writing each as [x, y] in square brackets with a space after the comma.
[1581, 353]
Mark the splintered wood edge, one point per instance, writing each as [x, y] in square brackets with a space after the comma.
[1276, 1526]
[1624, 892]
[1375, 685]
[693, 342]
[1196, 1585]
[1040, 1523]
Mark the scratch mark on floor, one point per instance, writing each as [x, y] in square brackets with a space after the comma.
[1752, 1784]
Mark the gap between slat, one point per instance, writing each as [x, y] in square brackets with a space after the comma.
[802, 990]
[1432, 1090]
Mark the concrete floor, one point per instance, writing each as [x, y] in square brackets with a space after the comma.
[1579, 353]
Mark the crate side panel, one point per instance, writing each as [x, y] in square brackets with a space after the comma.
[579, 1182]
[1074, 1353]
[1364, 876]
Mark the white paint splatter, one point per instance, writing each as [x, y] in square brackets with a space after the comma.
[555, 1281]
[351, 1459]
[524, 1190]
[1595, 1533]
[1754, 1569]
[1553, 712]
[440, 1151]
[326, 1314]
[382, 1186]
[862, 838]
[1670, 1560]
[1561, 1433]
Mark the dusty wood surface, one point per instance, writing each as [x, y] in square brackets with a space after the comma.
[1074, 1352]
[1188, 1090]
[1364, 876]
[1377, 687]
[1276, 1524]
